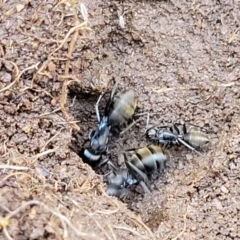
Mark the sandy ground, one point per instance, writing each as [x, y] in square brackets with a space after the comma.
[182, 60]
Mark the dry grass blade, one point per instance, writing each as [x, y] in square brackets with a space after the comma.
[72, 30]
[234, 35]
[42, 154]
[7, 234]
[113, 200]
[51, 139]
[14, 64]
[13, 167]
[64, 91]
[43, 66]
[64, 77]
[55, 213]
[226, 84]
[162, 90]
[99, 226]
[17, 74]
[68, 122]
[70, 50]
[130, 230]
[63, 99]
[18, 173]
[5, 209]
[84, 12]
[140, 223]
[184, 226]
[108, 212]
[113, 234]
[49, 113]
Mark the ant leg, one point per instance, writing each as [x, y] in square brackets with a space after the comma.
[137, 171]
[103, 162]
[147, 122]
[104, 176]
[91, 133]
[188, 146]
[184, 129]
[85, 141]
[110, 163]
[108, 160]
[165, 145]
[132, 149]
[148, 117]
[176, 129]
[159, 127]
[130, 126]
[116, 191]
[96, 108]
[145, 188]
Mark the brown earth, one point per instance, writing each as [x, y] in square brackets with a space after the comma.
[182, 59]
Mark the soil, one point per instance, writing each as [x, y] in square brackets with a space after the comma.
[182, 60]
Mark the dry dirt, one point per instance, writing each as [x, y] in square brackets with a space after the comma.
[183, 61]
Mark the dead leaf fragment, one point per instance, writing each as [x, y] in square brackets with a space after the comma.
[20, 7]
[52, 68]
[27, 128]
